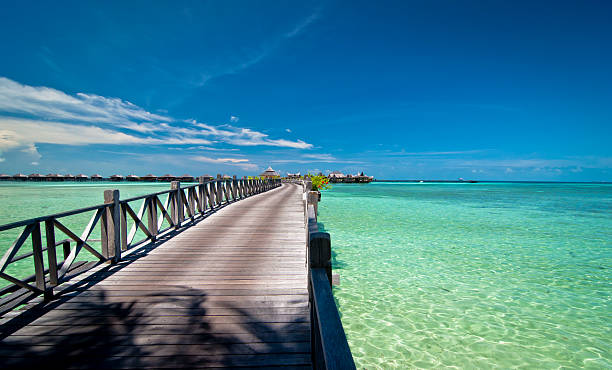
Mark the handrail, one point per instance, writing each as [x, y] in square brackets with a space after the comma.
[330, 349]
[182, 207]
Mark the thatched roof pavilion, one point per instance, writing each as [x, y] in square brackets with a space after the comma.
[81, 177]
[55, 177]
[186, 178]
[116, 178]
[167, 177]
[148, 178]
[132, 178]
[269, 172]
[96, 177]
[20, 176]
[36, 177]
[4, 176]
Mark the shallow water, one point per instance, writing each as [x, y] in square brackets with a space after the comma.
[473, 275]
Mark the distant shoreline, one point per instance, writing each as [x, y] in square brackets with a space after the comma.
[497, 181]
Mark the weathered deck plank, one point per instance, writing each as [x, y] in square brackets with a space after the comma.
[229, 291]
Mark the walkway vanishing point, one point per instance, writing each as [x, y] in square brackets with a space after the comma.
[238, 287]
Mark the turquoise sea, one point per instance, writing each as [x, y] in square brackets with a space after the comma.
[486, 275]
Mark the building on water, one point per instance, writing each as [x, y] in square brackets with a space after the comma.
[339, 177]
[269, 173]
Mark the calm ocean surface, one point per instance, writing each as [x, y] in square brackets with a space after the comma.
[473, 275]
[468, 275]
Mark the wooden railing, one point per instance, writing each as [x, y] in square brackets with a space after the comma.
[330, 349]
[182, 207]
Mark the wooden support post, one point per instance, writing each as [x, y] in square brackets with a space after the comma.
[51, 253]
[124, 230]
[66, 249]
[191, 201]
[234, 188]
[177, 204]
[111, 235]
[210, 195]
[152, 217]
[313, 198]
[39, 266]
[307, 186]
[201, 195]
[219, 184]
[319, 251]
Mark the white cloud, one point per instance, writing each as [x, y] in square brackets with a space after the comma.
[321, 157]
[234, 119]
[47, 115]
[201, 158]
[239, 162]
[2, 159]
[50, 103]
[17, 133]
[34, 163]
[288, 130]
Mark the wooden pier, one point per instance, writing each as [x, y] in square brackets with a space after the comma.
[227, 284]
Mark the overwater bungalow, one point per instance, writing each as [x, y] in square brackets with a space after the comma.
[186, 178]
[167, 177]
[81, 177]
[96, 177]
[132, 178]
[207, 177]
[339, 177]
[36, 177]
[20, 177]
[226, 177]
[361, 178]
[68, 177]
[269, 173]
[336, 176]
[5, 177]
[116, 178]
[296, 175]
[54, 177]
[148, 178]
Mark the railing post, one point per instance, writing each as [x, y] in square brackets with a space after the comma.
[51, 253]
[319, 251]
[66, 249]
[219, 189]
[39, 266]
[111, 226]
[191, 200]
[152, 218]
[177, 204]
[234, 188]
[201, 195]
[124, 230]
[313, 198]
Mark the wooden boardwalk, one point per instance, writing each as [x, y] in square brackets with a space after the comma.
[230, 291]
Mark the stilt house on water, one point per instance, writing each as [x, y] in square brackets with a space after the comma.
[269, 173]
[339, 177]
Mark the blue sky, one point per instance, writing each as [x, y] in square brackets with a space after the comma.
[497, 90]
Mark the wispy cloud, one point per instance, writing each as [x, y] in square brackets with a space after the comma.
[302, 25]
[433, 153]
[240, 162]
[30, 115]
